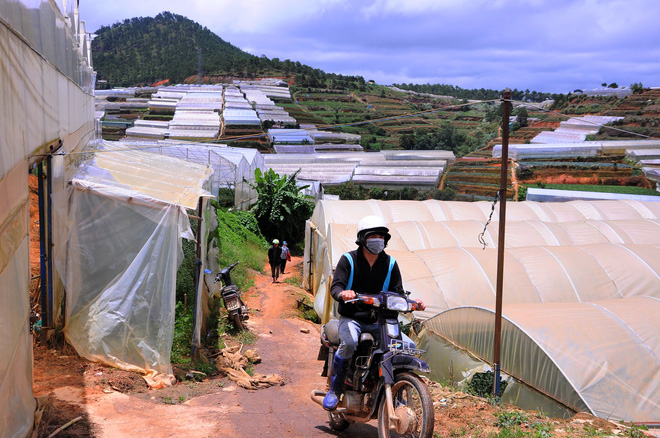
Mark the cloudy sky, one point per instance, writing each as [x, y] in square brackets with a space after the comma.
[543, 45]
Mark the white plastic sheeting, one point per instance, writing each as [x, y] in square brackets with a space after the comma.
[382, 169]
[575, 129]
[47, 81]
[125, 215]
[232, 167]
[309, 134]
[568, 150]
[553, 195]
[581, 289]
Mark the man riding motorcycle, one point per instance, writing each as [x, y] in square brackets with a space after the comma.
[367, 270]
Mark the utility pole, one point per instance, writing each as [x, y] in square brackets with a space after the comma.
[199, 66]
[506, 112]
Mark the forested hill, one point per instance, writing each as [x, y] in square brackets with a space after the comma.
[141, 51]
[476, 94]
[145, 50]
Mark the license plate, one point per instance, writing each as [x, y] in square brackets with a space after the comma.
[233, 305]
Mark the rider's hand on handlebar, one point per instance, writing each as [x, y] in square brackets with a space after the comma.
[347, 295]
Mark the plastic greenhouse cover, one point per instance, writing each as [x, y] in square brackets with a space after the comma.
[581, 288]
[46, 96]
[120, 302]
[554, 195]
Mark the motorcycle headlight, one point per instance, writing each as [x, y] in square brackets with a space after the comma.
[397, 303]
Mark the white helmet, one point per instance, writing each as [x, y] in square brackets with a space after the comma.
[369, 225]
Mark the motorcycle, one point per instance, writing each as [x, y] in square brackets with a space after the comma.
[381, 382]
[231, 297]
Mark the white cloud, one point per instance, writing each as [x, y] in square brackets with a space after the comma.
[543, 45]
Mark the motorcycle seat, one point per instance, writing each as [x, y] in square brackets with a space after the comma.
[331, 332]
[230, 288]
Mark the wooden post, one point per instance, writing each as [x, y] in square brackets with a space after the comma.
[506, 112]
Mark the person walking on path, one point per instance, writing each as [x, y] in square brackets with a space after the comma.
[275, 259]
[286, 256]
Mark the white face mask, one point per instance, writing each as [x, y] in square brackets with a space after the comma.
[375, 245]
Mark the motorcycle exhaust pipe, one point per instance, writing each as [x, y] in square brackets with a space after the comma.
[317, 396]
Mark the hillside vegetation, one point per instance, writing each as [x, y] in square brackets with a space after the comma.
[145, 50]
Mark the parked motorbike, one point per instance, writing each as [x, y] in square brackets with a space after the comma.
[237, 311]
[381, 382]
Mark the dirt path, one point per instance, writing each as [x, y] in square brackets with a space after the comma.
[223, 408]
[115, 403]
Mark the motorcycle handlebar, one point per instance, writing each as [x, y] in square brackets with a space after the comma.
[374, 300]
[225, 270]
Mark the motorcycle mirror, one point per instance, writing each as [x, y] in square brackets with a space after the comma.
[208, 271]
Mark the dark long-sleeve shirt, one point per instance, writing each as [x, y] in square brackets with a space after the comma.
[274, 255]
[366, 280]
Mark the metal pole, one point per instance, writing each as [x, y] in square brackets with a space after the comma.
[42, 248]
[49, 237]
[506, 111]
[198, 270]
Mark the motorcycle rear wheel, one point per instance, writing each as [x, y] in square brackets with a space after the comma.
[238, 321]
[338, 422]
[412, 401]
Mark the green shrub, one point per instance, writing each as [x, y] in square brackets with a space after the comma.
[510, 419]
[185, 276]
[183, 324]
[481, 384]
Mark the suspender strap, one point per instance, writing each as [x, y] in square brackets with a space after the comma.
[386, 284]
[350, 278]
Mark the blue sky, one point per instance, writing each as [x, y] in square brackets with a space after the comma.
[544, 45]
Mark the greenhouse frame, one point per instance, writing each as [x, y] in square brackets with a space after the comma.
[581, 290]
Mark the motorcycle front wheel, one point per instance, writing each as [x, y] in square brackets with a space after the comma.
[412, 404]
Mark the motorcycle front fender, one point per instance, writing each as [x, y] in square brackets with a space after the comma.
[391, 362]
[386, 367]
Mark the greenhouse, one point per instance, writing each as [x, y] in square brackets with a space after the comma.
[240, 117]
[575, 150]
[554, 195]
[271, 90]
[652, 173]
[47, 97]
[120, 291]
[232, 167]
[643, 154]
[574, 130]
[580, 301]
[623, 146]
[550, 151]
[390, 170]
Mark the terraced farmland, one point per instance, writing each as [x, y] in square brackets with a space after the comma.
[476, 180]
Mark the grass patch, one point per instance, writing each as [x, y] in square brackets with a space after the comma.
[293, 281]
[238, 239]
[246, 337]
[306, 309]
